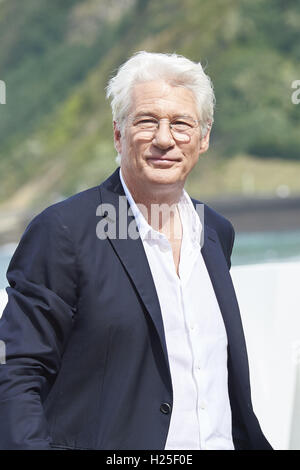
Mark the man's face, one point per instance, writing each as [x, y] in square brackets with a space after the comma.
[160, 159]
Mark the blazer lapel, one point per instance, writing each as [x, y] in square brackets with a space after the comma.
[221, 280]
[132, 254]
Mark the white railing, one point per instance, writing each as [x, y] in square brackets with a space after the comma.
[3, 300]
[269, 299]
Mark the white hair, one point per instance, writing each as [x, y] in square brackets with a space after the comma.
[172, 68]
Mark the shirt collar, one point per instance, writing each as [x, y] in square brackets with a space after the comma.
[188, 214]
[142, 224]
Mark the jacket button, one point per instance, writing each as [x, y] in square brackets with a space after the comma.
[165, 408]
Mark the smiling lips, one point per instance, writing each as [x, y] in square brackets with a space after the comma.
[163, 159]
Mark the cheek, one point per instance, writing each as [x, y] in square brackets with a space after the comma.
[192, 153]
[138, 148]
[133, 150]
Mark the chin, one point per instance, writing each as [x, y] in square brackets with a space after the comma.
[163, 176]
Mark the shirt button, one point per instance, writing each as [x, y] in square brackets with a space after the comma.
[165, 408]
[202, 405]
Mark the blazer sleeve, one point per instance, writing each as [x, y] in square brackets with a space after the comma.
[35, 327]
[226, 236]
[232, 238]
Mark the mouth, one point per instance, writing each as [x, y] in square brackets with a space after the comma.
[162, 161]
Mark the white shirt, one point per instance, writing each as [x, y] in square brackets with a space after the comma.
[195, 334]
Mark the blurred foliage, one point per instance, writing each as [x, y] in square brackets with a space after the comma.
[56, 58]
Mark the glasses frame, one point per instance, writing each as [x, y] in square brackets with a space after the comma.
[181, 136]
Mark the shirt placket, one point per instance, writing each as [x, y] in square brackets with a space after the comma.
[189, 252]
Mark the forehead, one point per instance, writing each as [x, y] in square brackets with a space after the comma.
[163, 99]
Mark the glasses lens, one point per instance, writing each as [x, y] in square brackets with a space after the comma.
[146, 123]
[181, 129]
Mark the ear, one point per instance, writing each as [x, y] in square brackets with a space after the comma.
[204, 141]
[117, 138]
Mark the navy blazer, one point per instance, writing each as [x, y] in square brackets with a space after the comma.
[87, 364]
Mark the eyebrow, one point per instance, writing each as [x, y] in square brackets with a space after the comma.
[155, 115]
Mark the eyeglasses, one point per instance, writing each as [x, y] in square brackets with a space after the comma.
[182, 128]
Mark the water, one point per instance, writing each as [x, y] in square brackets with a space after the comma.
[249, 248]
[266, 247]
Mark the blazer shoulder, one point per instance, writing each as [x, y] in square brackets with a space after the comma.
[222, 226]
[213, 218]
[79, 201]
[216, 220]
[83, 205]
[74, 209]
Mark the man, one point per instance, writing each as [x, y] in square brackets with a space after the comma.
[131, 339]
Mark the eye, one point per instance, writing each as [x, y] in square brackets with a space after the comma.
[181, 125]
[146, 122]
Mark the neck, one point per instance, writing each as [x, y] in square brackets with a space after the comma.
[153, 193]
[157, 203]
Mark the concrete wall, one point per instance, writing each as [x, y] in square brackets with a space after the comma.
[269, 298]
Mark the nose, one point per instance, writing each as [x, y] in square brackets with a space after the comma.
[163, 137]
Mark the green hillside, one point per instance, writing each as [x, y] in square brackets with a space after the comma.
[56, 58]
